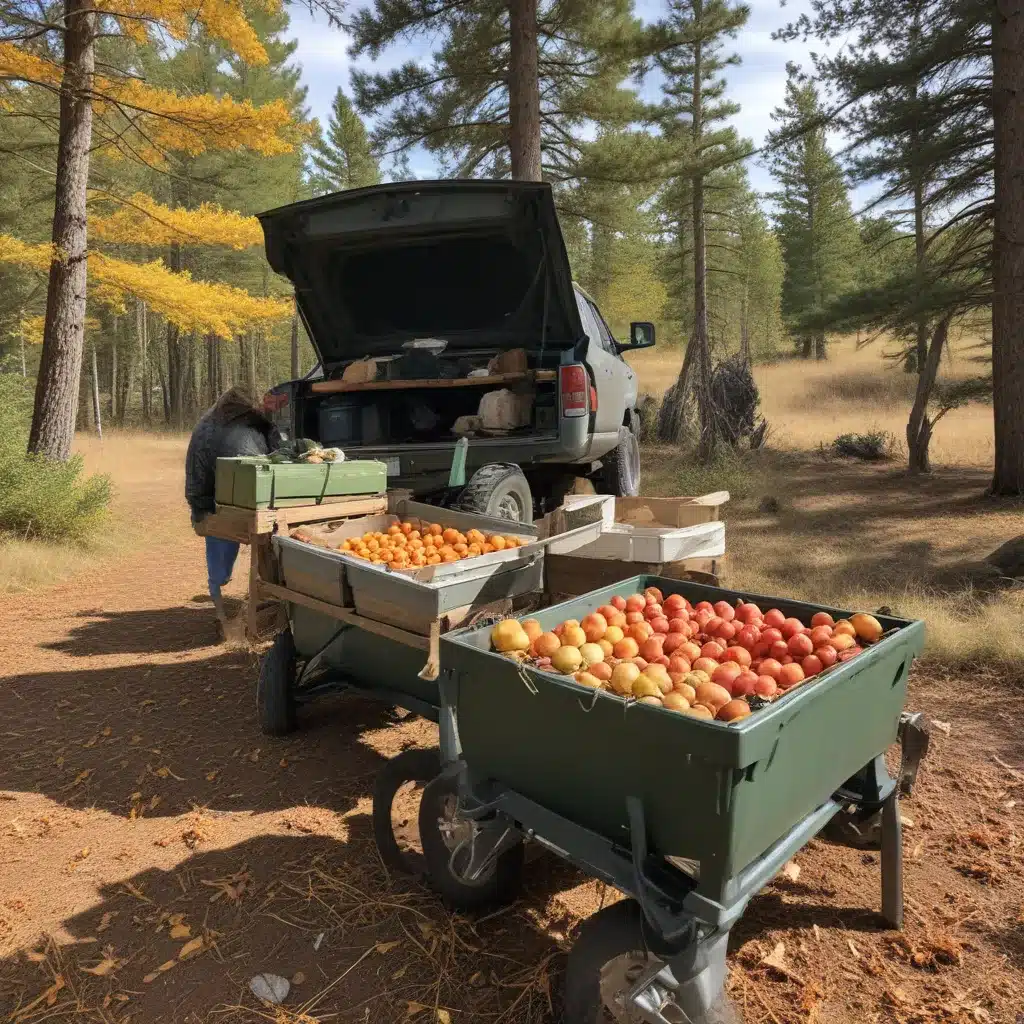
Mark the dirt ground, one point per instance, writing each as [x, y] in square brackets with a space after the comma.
[158, 852]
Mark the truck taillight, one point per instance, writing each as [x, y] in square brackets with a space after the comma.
[574, 388]
[275, 401]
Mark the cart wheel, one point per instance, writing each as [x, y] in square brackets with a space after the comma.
[606, 959]
[445, 843]
[275, 698]
[396, 783]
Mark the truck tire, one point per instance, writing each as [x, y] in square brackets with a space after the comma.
[275, 694]
[612, 941]
[501, 884]
[620, 468]
[500, 491]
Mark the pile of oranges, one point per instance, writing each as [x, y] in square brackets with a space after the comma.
[411, 546]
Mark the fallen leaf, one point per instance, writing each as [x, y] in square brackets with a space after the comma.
[210, 776]
[255, 755]
[906, 822]
[83, 853]
[444, 1017]
[792, 870]
[166, 772]
[82, 776]
[105, 920]
[153, 975]
[102, 969]
[283, 763]
[153, 801]
[386, 947]
[50, 995]
[190, 947]
[776, 959]
[107, 731]
[426, 928]
[91, 742]
[853, 949]
[147, 703]
[411, 1009]
[135, 739]
[298, 978]
[180, 931]
[35, 958]
[943, 727]
[137, 795]
[400, 973]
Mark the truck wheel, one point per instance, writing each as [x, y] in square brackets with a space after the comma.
[275, 696]
[606, 959]
[441, 834]
[500, 491]
[411, 766]
[620, 469]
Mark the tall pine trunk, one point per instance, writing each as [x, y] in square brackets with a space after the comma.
[919, 427]
[524, 91]
[1008, 256]
[96, 414]
[60, 367]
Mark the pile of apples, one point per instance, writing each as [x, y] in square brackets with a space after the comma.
[705, 660]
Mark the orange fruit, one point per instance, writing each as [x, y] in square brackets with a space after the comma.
[414, 535]
[394, 528]
[407, 528]
[436, 529]
[474, 549]
[450, 557]
[451, 536]
[474, 537]
[511, 542]
[486, 548]
[498, 543]
[433, 559]
[460, 548]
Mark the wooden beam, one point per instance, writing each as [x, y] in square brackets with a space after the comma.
[330, 387]
[344, 615]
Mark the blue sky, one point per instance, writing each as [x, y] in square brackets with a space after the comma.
[758, 84]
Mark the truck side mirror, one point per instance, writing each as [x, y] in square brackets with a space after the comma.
[641, 335]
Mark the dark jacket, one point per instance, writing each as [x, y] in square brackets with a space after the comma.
[233, 427]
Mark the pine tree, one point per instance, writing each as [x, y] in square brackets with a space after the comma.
[687, 47]
[916, 87]
[467, 106]
[820, 240]
[112, 107]
[342, 159]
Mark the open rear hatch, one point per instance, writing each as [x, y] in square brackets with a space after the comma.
[479, 264]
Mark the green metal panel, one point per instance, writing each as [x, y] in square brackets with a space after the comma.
[720, 794]
[255, 483]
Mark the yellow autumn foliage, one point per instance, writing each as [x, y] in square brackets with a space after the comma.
[191, 124]
[144, 220]
[31, 328]
[203, 306]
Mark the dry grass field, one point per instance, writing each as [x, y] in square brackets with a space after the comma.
[853, 534]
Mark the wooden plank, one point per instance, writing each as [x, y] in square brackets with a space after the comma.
[328, 387]
[345, 615]
[350, 508]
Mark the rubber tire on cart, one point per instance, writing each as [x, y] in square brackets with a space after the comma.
[500, 886]
[499, 490]
[614, 932]
[620, 468]
[409, 766]
[275, 696]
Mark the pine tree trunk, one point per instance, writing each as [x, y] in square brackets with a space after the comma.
[127, 386]
[524, 91]
[60, 367]
[1008, 255]
[96, 395]
[145, 380]
[295, 343]
[113, 374]
[919, 427]
[820, 346]
[806, 346]
[744, 325]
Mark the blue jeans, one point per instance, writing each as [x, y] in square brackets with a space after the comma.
[220, 560]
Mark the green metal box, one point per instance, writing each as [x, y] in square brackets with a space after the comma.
[257, 483]
[714, 793]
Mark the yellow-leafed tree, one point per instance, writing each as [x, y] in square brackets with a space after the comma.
[111, 109]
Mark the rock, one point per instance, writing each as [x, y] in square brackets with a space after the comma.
[1009, 558]
[271, 988]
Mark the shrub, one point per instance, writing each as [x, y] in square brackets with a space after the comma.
[39, 498]
[876, 446]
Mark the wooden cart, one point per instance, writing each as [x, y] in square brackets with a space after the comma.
[255, 527]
